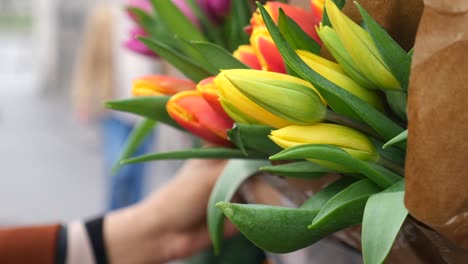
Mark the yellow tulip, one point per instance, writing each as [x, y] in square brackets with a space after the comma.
[334, 73]
[352, 141]
[361, 48]
[269, 98]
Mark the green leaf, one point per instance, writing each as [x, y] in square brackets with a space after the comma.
[301, 169]
[152, 107]
[196, 56]
[395, 57]
[176, 22]
[273, 228]
[394, 155]
[217, 56]
[196, 153]
[384, 215]
[211, 30]
[133, 141]
[297, 38]
[235, 173]
[347, 207]
[281, 229]
[187, 66]
[317, 201]
[253, 137]
[155, 29]
[399, 138]
[397, 102]
[238, 18]
[340, 100]
[382, 176]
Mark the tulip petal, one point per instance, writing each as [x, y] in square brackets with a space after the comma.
[361, 48]
[153, 85]
[191, 111]
[334, 73]
[246, 54]
[210, 93]
[267, 53]
[350, 140]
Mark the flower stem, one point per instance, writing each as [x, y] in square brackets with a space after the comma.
[349, 122]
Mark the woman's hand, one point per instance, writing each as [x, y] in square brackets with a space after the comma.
[170, 224]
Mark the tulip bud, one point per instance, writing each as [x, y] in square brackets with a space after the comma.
[154, 85]
[208, 90]
[247, 55]
[136, 45]
[273, 99]
[192, 112]
[334, 73]
[352, 141]
[364, 54]
[305, 19]
[267, 53]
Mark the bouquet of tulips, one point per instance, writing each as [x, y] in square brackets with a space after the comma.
[259, 90]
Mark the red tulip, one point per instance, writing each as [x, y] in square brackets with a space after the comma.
[305, 19]
[247, 55]
[192, 112]
[317, 8]
[154, 85]
[267, 53]
[209, 91]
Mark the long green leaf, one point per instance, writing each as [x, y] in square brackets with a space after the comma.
[134, 140]
[177, 23]
[399, 138]
[253, 137]
[397, 101]
[301, 169]
[382, 177]
[395, 155]
[384, 215]
[217, 56]
[339, 99]
[152, 107]
[235, 173]
[297, 38]
[281, 229]
[196, 153]
[347, 207]
[395, 57]
[238, 18]
[187, 66]
[155, 29]
[196, 56]
[317, 201]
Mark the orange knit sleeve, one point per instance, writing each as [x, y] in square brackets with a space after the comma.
[32, 244]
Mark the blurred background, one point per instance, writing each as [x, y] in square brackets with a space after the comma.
[51, 165]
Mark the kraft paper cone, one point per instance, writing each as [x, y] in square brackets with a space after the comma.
[437, 157]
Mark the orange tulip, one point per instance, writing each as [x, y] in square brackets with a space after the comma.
[154, 85]
[209, 91]
[246, 54]
[305, 19]
[267, 53]
[317, 8]
[192, 112]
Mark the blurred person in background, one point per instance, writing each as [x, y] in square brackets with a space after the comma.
[104, 71]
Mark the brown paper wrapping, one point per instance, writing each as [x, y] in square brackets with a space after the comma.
[437, 158]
